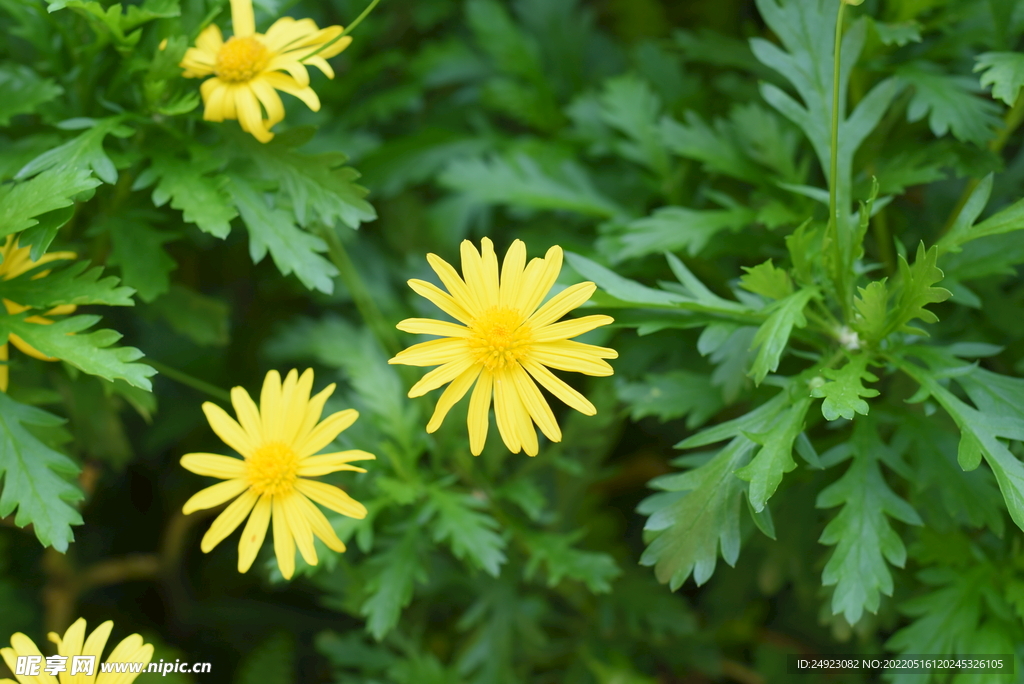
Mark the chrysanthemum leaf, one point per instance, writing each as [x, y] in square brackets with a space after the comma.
[843, 394]
[202, 319]
[90, 352]
[555, 551]
[138, 251]
[202, 199]
[1004, 71]
[630, 105]
[397, 570]
[83, 152]
[675, 229]
[23, 91]
[951, 104]
[672, 395]
[51, 190]
[71, 285]
[773, 335]
[33, 476]
[471, 533]
[764, 279]
[293, 250]
[916, 291]
[775, 457]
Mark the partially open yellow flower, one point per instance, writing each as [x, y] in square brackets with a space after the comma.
[16, 260]
[132, 649]
[249, 68]
[278, 441]
[505, 345]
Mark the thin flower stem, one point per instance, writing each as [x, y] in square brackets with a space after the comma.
[360, 294]
[188, 380]
[358, 20]
[840, 274]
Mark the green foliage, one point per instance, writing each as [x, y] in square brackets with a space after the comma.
[1004, 71]
[50, 190]
[843, 392]
[771, 338]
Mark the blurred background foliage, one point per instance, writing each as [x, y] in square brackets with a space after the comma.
[620, 130]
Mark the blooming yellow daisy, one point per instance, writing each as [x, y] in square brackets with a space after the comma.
[249, 68]
[16, 260]
[505, 343]
[132, 649]
[278, 441]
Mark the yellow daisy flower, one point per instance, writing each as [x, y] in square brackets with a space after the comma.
[506, 343]
[249, 68]
[132, 649]
[16, 261]
[278, 441]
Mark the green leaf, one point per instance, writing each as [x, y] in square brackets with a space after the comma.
[764, 279]
[110, 20]
[698, 510]
[293, 250]
[872, 311]
[71, 285]
[50, 190]
[1004, 71]
[843, 394]
[202, 319]
[137, 248]
[555, 552]
[32, 476]
[773, 335]
[898, 34]
[964, 229]
[470, 532]
[521, 181]
[23, 91]
[674, 229]
[84, 152]
[670, 395]
[391, 585]
[718, 147]
[321, 188]
[89, 352]
[629, 105]
[915, 291]
[861, 532]
[729, 348]
[202, 199]
[951, 104]
[775, 457]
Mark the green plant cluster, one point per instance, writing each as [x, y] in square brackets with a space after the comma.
[812, 253]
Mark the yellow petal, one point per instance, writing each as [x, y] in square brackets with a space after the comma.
[249, 114]
[316, 466]
[4, 368]
[95, 644]
[432, 353]
[457, 287]
[319, 524]
[214, 465]
[131, 650]
[473, 275]
[325, 433]
[73, 639]
[441, 375]
[270, 406]
[428, 326]
[557, 387]
[558, 355]
[489, 272]
[214, 495]
[536, 288]
[228, 521]
[505, 411]
[287, 84]
[227, 429]
[248, 414]
[254, 533]
[478, 416]
[442, 300]
[295, 69]
[243, 20]
[321, 64]
[25, 348]
[512, 272]
[535, 404]
[295, 409]
[284, 545]
[562, 303]
[571, 328]
[270, 100]
[331, 497]
[210, 39]
[314, 409]
[300, 528]
[527, 435]
[451, 396]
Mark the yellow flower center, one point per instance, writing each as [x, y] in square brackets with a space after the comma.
[500, 337]
[241, 59]
[272, 469]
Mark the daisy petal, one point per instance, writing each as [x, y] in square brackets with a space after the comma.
[440, 376]
[512, 272]
[478, 416]
[270, 100]
[506, 411]
[214, 495]
[227, 429]
[527, 434]
[428, 326]
[295, 409]
[243, 20]
[254, 533]
[331, 497]
[214, 465]
[300, 528]
[316, 466]
[562, 303]
[284, 545]
[555, 355]
[210, 40]
[249, 114]
[535, 404]
[489, 272]
[228, 521]
[270, 407]
[457, 287]
[314, 409]
[325, 433]
[451, 396]
[473, 275]
[557, 387]
[571, 328]
[432, 353]
[536, 288]
[97, 641]
[319, 524]
[441, 299]
[287, 84]
[248, 414]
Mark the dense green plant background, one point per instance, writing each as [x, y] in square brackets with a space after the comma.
[859, 465]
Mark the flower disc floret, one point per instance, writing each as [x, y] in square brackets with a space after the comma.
[241, 59]
[272, 469]
[508, 341]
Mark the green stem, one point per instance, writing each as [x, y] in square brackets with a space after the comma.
[351, 27]
[360, 295]
[188, 380]
[880, 227]
[840, 271]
